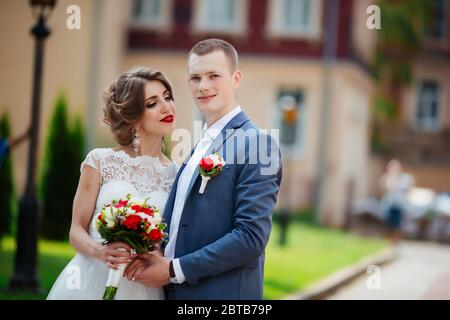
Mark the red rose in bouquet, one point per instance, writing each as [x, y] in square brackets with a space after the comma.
[155, 235]
[132, 222]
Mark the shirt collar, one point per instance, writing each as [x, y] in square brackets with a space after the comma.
[214, 130]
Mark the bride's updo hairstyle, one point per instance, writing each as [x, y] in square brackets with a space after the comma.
[125, 101]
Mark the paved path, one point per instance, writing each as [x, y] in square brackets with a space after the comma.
[420, 271]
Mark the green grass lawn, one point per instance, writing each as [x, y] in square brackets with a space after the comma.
[53, 256]
[311, 254]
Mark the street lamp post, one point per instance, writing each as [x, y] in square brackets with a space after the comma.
[332, 8]
[25, 275]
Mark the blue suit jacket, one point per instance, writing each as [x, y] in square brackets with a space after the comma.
[224, 231]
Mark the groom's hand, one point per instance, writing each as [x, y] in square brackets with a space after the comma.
[139, 263]
[156, 274]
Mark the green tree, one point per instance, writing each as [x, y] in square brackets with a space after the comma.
[60, 171]
[7, 195]
[398, 44]
[77, 137]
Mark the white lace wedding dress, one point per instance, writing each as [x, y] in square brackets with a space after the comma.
[144, 176]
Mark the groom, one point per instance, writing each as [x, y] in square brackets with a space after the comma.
[217, 239]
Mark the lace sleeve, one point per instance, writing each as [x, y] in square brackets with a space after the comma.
[92, 160]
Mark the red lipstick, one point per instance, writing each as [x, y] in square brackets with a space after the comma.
[167, 119]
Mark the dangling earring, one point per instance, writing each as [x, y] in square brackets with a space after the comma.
[136, 142]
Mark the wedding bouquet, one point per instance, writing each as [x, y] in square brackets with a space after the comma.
[134, 222]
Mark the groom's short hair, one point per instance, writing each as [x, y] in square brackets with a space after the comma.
[210, 45]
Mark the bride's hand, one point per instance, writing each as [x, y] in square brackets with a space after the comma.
[114, 254]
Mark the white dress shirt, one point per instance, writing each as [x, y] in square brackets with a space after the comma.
[208, 136]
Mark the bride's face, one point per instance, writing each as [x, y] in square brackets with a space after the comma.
[159, 113]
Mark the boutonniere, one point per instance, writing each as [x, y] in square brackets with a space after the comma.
[209, 167]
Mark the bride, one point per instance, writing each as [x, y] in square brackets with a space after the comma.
[140, 110]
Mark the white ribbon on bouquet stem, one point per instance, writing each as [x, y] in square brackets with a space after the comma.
[115, 275]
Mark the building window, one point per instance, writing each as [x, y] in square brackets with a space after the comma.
[290, 120]
[153, 14]
[220, 16]
[436, 28]
[428, 107]
[297, 15]
[295, 18]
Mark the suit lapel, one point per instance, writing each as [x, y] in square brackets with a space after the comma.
[226, 132]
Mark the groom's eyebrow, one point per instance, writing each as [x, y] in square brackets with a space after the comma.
[207, 72]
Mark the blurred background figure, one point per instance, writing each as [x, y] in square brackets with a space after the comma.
[7, 144]
[395, 184]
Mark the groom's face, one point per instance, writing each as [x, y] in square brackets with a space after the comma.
[212, 82]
